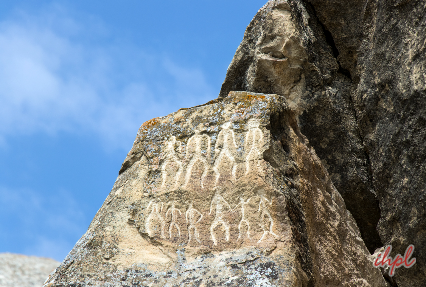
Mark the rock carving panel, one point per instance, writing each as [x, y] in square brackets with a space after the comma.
[226, 219]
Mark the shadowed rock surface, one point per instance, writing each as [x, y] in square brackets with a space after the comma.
[361, 95]
[24, 271]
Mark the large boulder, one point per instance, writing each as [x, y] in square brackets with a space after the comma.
[229, 193]
[355, 70]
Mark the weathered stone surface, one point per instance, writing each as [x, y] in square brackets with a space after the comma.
[361, 94]
[322, 96]
[225, 194]
[24, 271]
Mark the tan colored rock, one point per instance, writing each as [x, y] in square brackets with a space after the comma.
[225, 194]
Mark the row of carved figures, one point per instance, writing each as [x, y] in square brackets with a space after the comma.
[193, 217]
[198, 151]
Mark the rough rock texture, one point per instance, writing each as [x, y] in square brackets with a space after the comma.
[24, 271]
[290, 36]
[229, 193]
[355, 71]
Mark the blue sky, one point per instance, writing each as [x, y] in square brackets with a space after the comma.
[77, 79]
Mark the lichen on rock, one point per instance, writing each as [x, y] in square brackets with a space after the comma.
[227, 193]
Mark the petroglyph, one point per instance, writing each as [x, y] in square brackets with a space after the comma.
[252, 145]
[219, 204]
[264, 212]
[154, 219]
[172, 166]
[196, 145]
[243, 218]
[193, 217]
[225, 148]
[174, 212]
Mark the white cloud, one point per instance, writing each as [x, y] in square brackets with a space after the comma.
[56, 76]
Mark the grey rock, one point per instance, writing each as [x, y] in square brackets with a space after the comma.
[24, 271]
[319, 89]
[361, 96]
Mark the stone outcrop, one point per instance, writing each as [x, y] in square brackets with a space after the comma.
[317, 161]
[229, 193]
[24, 271]
[356, 72]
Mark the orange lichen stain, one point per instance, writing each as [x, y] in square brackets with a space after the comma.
[245, 99]
[149, 124]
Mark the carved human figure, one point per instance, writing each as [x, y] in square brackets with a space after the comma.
[195, 147]
[172, 166]
[243, 218]
[225, 148]
[193, 217]
[155, 219]
[174, 212]
[264, 212]
[220, 205]
[252, 145]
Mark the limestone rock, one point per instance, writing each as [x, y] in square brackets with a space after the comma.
[24, 271]
[229, 193]
[361, 93]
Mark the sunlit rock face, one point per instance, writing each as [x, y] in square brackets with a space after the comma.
[292, 181]
[224, 194]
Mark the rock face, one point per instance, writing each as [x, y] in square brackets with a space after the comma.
[355, 71]
[24, 271]
[296, 179]
[229, 193]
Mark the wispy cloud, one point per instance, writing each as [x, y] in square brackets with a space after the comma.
[58, 75]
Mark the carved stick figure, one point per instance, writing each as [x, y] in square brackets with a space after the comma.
[195, 153]
[154, 219]
[225, 146]
[253, 144]
[243, 217]
[174, 214]
[264, 211]
[219, 204]
[171, 160]
[191, 218]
